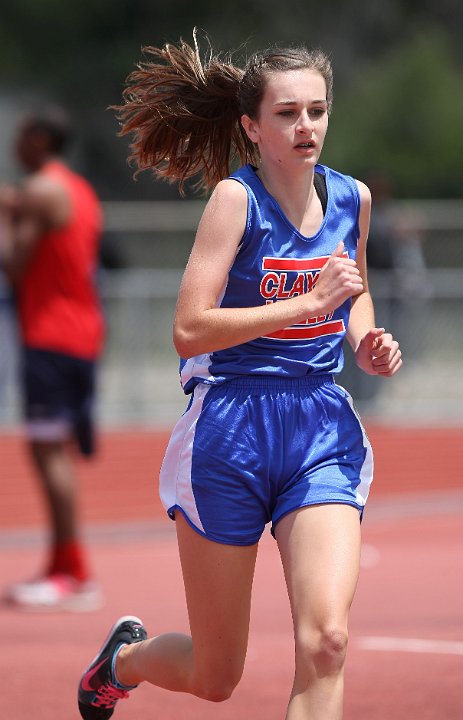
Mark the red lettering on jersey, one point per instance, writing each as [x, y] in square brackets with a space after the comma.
[269, 285]
[311, 280]
[282, 293]
[275, 286]
[299, 265]
[298, 286]
[319, 319]
[308, 332]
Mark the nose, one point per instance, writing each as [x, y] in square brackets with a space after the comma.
[304, 125]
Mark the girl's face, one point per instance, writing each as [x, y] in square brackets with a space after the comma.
[293, 118]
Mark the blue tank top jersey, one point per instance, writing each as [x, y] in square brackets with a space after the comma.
[274, 262]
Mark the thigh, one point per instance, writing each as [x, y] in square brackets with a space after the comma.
[334, 461]
[218, 581]
[43, 390]
[320, 552]
[43, 384]
[59, 396]
[215, 469]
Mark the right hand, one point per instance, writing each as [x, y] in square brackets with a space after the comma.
[339, 280]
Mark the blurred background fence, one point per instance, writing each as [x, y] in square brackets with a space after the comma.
[421, 300]
[396, 122]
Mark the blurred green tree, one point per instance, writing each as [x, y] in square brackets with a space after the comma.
[398, 66]
[403, 115]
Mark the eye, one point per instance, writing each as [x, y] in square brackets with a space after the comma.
[317, 112]
[286, 113]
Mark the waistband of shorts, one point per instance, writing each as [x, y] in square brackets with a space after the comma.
[279, 382]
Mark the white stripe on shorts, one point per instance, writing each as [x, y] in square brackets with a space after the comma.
[54, 430]
[175, 486]
[366, 473]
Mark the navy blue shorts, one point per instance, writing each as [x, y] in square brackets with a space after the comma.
[251, 450]
[58, 394]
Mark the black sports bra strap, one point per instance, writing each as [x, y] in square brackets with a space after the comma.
[319, 181]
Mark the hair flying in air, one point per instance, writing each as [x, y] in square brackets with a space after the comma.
[183, 113]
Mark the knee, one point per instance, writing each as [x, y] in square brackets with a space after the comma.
[217, 687]
[215, 691]
[332, 650]
[324, 652]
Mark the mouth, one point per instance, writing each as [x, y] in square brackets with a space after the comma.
[306, 145]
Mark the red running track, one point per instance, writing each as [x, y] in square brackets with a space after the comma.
[406, 648]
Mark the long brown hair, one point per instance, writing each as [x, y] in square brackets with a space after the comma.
[184, 113]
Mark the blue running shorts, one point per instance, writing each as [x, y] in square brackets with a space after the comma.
[251, 450]
[58, 397]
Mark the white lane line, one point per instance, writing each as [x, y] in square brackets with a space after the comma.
[413, 645]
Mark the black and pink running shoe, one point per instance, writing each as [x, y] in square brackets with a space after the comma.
[99, 690]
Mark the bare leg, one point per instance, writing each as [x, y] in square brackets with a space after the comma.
[56, 473]
[209, 664]
[320, 552]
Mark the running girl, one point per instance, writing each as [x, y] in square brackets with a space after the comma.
[275, 281]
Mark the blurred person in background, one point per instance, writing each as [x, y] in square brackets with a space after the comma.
[50, 229]
[8, 348]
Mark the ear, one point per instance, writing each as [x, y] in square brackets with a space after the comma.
[251, 128]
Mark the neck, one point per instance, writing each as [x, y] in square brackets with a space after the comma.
[39, 163]
[293, 191]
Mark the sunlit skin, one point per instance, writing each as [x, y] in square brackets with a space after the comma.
[290, 132]
[293, 111]
[292, 116]
[319, 546]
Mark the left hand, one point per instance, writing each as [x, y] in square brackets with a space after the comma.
[378, 353]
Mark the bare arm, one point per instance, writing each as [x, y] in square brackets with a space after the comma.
[362, 316]
[26, 213]
[376, 351]
[200, 326]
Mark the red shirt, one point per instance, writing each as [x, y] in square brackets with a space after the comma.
[59, 308]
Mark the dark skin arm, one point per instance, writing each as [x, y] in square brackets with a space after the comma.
[26, 213]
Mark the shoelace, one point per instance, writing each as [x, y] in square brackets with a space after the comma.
[108, 695]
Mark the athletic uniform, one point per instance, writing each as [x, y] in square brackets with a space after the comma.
[267, 430]
[61, 321]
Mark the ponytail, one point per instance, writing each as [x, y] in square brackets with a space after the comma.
[184, 115]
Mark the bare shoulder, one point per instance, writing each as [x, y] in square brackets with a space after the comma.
[219, 234]
[225, 213]
[41, 187]
[47, 198]
[364, 193]
[228, 196]
[231, 189]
